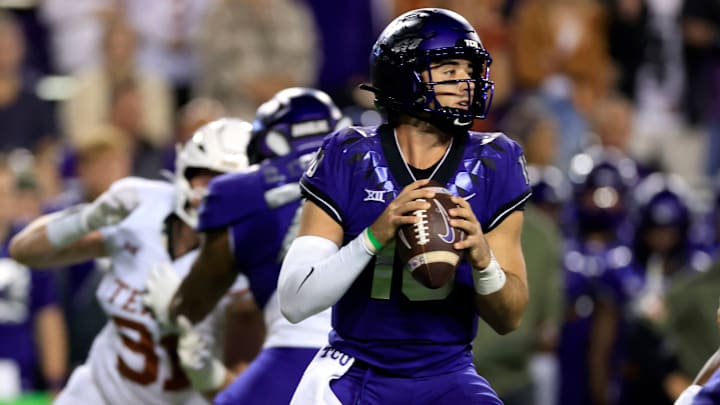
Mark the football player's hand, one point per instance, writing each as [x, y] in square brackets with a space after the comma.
[110, 208]
[477, 250]
[399, 211]
[160, 287]
[203, 369]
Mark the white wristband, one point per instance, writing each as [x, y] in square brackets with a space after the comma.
[490, 279]
[67, 227]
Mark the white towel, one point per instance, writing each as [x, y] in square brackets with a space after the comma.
[314, 387]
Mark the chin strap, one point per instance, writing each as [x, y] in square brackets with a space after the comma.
[369, 88]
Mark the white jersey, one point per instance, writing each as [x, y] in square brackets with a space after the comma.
[131, 361]
[310, 333]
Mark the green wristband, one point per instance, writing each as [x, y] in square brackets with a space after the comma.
[377, 245]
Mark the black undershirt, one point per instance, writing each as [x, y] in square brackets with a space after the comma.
[400, 172]
[423, 173]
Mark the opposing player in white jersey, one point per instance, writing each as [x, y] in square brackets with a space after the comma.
[248, 221]
[139, 223]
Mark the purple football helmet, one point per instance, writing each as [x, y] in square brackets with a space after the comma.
[662, 216]
[408, 46]
[662, 200]
[602, 179]
[294, 120]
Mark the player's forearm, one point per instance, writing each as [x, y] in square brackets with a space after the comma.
[214, 270]
[52, 345]
[503, 309]
[244, 331]
[315, 274]
[32, 247]
[196, 303]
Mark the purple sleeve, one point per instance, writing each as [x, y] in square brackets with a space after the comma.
[326, 182]
[511, 188]
[44, 290]
[231, 198]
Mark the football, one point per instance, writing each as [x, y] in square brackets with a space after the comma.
[426, 248]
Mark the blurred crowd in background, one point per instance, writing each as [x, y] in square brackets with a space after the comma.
[616, 102]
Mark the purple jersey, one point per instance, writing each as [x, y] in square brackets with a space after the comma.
[271, 377]
[259, 206]
[387, 319]
[591, 273]
[23, 293]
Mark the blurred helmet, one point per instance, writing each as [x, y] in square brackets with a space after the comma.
[602, 179]
[663, 218]
[293, 120]
[662, 200]
[408, 46]
[219, 146]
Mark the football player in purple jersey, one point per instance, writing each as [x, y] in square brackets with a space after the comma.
[395, 340]
[33, 342]
[597, 265]
[668, 264]
[248, 221]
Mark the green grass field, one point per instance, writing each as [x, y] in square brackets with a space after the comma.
[32, 398]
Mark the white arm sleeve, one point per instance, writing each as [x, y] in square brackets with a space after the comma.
[315, 274]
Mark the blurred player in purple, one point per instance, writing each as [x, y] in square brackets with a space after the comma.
[249, 220]
[33, 343]
[394, 340]
[666, 258]
[597, 263]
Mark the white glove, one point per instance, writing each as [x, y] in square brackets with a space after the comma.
[160, 287]
[203, 369]
[110, 208]
[69, 226]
